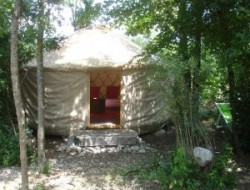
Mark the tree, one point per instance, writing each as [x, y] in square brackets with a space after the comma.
[190, 30]
[6, 101]
[228, 37]
[178, 27]
[40, 87]
[17, 94]
[38, 15]
[84, 12]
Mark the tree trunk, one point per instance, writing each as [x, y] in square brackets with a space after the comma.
[232, 97]
[183, 46]
[40, 88]
[197, 57]
[17, 94]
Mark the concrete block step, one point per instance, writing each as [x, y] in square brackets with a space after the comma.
[106, 137]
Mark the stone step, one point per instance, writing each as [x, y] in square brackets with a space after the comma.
[106, 137]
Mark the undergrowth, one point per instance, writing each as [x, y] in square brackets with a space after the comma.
[180, 172]
[39, 186]
[9, 147]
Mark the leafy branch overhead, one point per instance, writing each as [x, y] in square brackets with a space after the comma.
[200, 35]
[84, 12]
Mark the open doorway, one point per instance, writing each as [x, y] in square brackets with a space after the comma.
[105, 99]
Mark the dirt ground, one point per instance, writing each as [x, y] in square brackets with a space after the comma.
[99, 171]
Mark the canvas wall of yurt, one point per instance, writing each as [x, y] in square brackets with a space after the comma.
[88, 81]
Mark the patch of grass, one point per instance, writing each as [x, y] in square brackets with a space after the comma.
[39, 186]
[46, 168]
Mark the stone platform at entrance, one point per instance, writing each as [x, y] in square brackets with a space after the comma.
[106, 137]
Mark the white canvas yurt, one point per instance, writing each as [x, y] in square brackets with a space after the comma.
[89, 81]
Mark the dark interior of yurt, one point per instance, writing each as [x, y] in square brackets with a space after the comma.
[105, 97]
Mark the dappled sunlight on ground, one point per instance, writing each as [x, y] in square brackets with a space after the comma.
[73, 170]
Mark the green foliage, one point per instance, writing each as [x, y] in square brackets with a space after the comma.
[9, 149]
[228, 34]
[5, 12]
[86, 16]
[179, 100]
[143, 17]
[27, 50]
[27, 44]
[39, 186]
[210, 38]
[180, 172]
[221, 173]
[213, 85]
[52, 43]
[181, 169]
[84, 12]
[154, 170]
[46, 168]
[6, 102]
[178, 28]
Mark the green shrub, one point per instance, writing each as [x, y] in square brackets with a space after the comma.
[182, 173]
[46, 168]
[221, 173]
[9, 149]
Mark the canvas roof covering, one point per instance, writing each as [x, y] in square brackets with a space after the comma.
[87, 54]
[93, 48]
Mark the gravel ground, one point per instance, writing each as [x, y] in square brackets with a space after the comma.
[97, 169]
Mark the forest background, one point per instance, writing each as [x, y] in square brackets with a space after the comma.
[203, 45]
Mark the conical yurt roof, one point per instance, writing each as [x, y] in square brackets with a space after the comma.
[98, 47]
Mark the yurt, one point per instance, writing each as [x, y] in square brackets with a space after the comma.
[93, 81]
